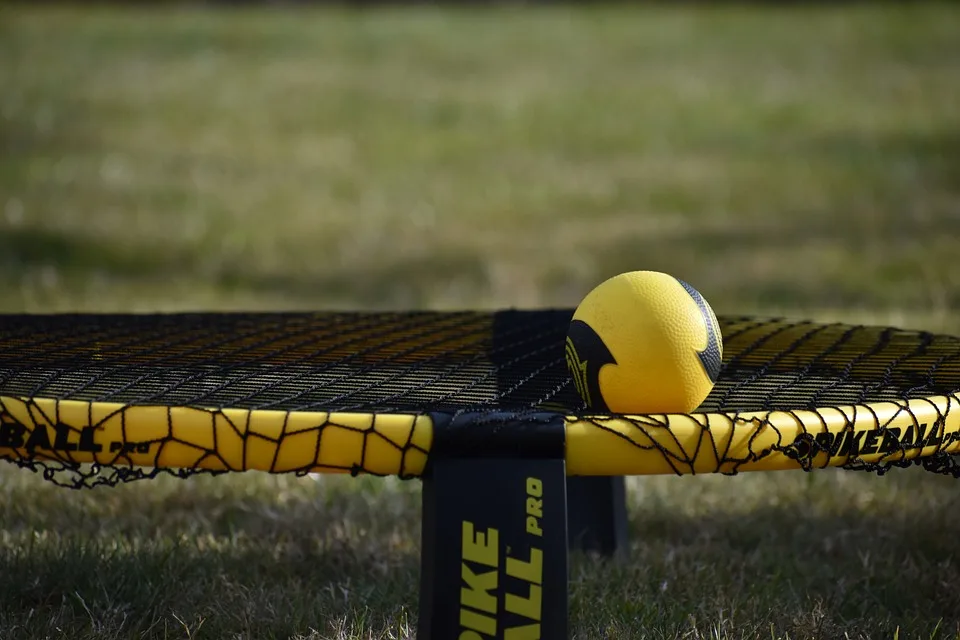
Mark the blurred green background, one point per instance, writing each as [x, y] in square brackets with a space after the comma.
[791, 160]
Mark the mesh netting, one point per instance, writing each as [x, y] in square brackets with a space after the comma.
[90, 399]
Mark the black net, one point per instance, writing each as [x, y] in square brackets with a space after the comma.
[388, 366]
[292, 362]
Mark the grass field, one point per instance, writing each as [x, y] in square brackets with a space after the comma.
[801, 161]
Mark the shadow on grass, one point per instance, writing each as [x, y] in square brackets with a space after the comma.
[22, 249]
[927, 158]
[888, 240]
[127, 559]
[378, 283]
[815, 565]
[253, 564]
[902, 187]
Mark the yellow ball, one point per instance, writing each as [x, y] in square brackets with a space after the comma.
[644, 342]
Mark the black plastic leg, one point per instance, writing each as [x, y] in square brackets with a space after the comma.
[597, 514]
[495, 550]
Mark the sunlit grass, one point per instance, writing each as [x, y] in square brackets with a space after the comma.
[796, 159]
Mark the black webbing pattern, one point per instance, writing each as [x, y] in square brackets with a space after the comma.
[293, 362]
[466, 363]
[507, 361]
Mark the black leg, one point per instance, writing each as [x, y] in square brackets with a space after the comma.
[495, 550]
[597, 514]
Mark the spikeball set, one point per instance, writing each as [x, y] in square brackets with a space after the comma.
[520, 424]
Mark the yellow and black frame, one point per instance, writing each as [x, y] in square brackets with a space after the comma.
[479, 405]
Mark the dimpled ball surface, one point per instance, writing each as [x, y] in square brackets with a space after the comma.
[644, 342]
